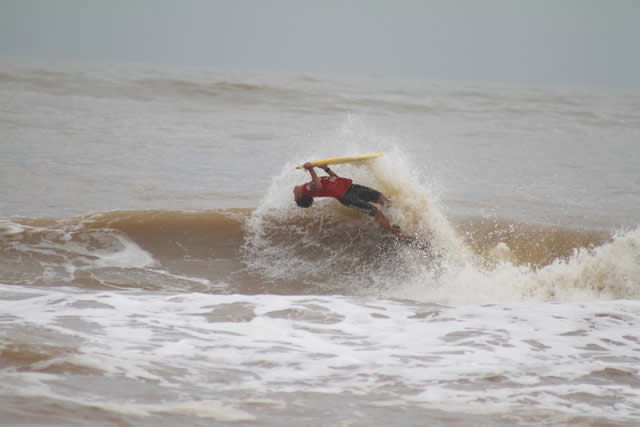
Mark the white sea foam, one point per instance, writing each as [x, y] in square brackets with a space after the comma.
[421, 354]
[8, 227]
[128, 255]
[609, 271]
[63, 251]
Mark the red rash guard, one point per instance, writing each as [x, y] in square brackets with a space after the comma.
[332, 186]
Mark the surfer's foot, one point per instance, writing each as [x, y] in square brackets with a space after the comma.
[399, 235]
[396, 230]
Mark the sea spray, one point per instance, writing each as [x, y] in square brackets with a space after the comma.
[343, 248]
[608, 271]
[346, 252]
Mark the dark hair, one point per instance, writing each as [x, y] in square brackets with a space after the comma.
[305, 201]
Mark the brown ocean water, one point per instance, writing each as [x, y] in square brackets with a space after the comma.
[154, 269]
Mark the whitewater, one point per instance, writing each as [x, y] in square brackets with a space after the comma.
[156, 271]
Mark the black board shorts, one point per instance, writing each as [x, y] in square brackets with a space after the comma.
[359, 196]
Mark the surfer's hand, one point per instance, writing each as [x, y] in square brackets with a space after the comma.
[307, 166]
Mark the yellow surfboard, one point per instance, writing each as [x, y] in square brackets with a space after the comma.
[348, 159]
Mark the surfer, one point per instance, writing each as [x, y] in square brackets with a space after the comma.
[347, 193]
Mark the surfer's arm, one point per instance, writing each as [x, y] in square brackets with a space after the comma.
[316, 184]
[328, 171]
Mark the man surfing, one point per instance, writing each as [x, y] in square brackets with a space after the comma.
[347, 193]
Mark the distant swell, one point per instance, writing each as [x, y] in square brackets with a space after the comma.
[100, 85]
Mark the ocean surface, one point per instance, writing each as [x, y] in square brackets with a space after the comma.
[155, 271]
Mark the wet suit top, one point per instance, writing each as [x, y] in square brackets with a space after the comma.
[332, 186]
[352, 195]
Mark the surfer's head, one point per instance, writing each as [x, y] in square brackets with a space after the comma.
[301, 200]
[305, 202]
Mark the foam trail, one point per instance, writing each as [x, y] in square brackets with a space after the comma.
[130, 255]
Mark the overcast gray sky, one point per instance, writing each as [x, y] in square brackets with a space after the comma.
[543, 42]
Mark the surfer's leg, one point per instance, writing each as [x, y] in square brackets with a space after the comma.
[361, 197]
[366, 194]
[384, 221]
[370, 195]
[383, 200]
[365, 207]
[374, 212]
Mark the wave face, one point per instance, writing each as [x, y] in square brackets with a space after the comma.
[281, 249]
[123, 249]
